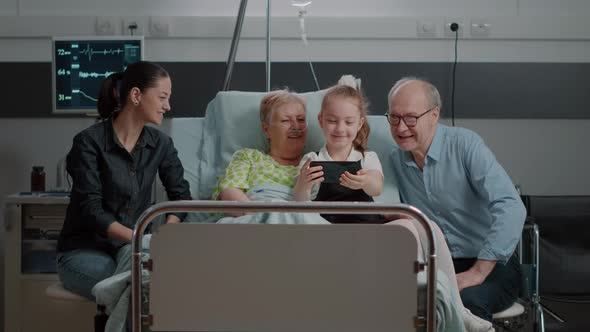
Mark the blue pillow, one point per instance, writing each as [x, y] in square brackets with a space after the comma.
[232, 122]
[187, 134]
[381, 141]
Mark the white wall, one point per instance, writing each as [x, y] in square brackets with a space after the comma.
[543, 156]
[283, 8]
[371, 30]
[258, 7]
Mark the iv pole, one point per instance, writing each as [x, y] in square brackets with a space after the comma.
[236, 40]
[234, 44]
[267, 45]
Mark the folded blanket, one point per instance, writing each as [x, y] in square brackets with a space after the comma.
[448, 314]
[270, 192]
[273, 193]
[451, 315]
[114, 292]
[474, 323]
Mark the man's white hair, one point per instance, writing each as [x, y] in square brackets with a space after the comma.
[430, 91]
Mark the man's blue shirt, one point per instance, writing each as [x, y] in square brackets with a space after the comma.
[466, 192]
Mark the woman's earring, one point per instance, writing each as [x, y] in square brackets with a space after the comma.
[135, 102]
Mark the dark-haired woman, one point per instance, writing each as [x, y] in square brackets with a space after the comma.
[113, 165]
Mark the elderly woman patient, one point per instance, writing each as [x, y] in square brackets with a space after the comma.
[257, 175]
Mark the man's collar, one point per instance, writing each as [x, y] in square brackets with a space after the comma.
[434, 151]
[435, 147]
[409, 158]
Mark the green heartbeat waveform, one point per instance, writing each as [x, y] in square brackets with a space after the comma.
[92, 52]
[94, 75]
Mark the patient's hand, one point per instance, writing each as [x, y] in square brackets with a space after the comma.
[308, 176]
[234, 194]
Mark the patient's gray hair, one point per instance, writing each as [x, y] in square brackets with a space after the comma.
[275, 99]
[431, 92]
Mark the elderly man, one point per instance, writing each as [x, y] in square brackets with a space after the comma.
[454, 178]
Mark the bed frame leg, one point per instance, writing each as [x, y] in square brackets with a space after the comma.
[100, 319]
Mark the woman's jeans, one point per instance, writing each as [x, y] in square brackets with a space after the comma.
[79, 270]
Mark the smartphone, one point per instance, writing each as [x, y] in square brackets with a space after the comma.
[333, 169]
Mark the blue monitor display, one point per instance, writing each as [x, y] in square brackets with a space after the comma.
[81, 63]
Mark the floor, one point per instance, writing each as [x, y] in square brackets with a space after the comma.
[576, 316]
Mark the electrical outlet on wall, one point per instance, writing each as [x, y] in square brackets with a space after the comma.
[426, 28]
[106, 26]
[480, 28]
[160, 26]
[449, 22]
[133, 26]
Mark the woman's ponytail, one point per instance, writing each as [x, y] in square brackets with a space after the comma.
[108, 97]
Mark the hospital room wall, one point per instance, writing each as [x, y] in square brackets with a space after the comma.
[282, 7]
[523, 31]
[544, 156]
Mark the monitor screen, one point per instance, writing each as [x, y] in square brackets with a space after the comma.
[81, 63]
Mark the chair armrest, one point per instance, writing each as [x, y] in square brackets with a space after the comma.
[530, 220]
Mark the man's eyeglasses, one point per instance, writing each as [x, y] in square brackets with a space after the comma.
[409, 120]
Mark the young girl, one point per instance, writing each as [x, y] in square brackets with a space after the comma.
[343, 119]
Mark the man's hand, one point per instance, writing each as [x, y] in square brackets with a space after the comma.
[476, 275]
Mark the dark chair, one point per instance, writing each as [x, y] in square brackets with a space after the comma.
[528, 306]
[564, 251]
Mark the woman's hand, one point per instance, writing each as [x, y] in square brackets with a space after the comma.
[172, 219]
[120, 232]
[234, 194]
[371, 181]
[308, 176]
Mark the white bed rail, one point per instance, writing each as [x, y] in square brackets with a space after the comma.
[321, 207]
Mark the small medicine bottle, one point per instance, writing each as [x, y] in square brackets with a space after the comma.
[38, 179]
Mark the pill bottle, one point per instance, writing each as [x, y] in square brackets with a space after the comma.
[38, 179]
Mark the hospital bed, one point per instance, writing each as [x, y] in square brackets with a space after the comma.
[210, 277]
